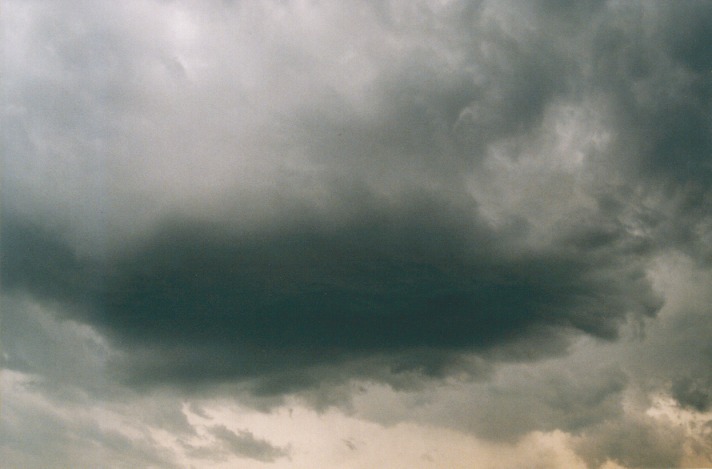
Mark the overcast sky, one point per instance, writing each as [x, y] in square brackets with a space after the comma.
[402, 234]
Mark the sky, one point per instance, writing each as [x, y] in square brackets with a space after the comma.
[355, 234]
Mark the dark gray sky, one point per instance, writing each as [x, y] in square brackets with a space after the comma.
[472, 221]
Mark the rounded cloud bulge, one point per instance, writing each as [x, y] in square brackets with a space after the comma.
[294, 181]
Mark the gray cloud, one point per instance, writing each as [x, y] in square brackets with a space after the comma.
[622, 442]
[67, 358]
[606, 395]
[288, 200]
[316, 235]
[244, 444]
[691, 393]
[569, 394]
[37, 432]
[421, 274]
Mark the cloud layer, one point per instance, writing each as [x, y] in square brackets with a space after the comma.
[289, 197]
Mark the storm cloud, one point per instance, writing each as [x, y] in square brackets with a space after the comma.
[290, 198]
[417, 274]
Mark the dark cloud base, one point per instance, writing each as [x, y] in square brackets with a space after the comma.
[200, 302]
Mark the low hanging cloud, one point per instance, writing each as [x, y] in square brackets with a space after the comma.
[286, 197]
[420, 274]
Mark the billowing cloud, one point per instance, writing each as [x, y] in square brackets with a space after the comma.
[479, 212]
[396, 279]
